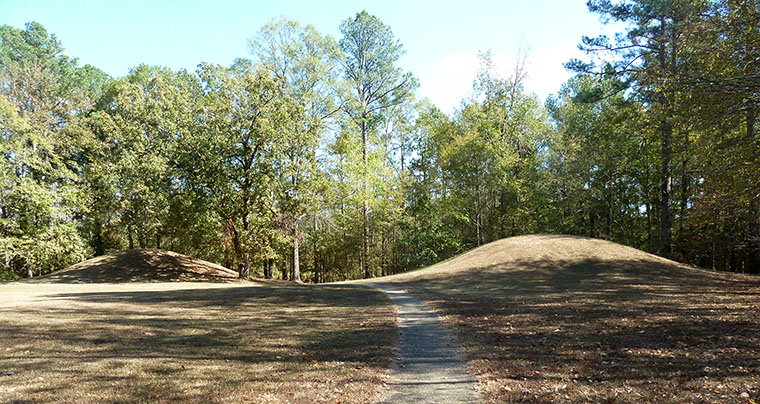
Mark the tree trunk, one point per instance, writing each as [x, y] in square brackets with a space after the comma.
[364, 264]
[98, 241]
[402, 151]
[666, 183]
[712, 253]
[242, 258]
[753, 243]
[245, 267]
[650, 238]
[750, 122]
[666, 127]
[684, 186]
[296, 258]
[130, 238]
[608, 213]
[503, 209]
[158, 240]
[317, 270]
[384, 262]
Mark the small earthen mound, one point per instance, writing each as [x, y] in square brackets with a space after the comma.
[142, 265]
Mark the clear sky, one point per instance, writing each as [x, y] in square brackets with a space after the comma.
[442, 38]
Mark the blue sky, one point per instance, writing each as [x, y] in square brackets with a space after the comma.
[442, 38]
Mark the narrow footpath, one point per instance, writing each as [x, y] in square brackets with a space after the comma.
[431, 368]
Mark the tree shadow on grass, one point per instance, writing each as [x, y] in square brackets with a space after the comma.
[612, 331]
[236, 344]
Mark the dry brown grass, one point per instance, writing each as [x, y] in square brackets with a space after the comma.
[561, 319]
[193, 343]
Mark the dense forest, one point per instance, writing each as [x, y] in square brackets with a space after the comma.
[312, 159]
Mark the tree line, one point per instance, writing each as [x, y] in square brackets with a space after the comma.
[313, 159]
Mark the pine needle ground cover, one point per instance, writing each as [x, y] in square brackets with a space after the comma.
[560, 319]
[193, 343]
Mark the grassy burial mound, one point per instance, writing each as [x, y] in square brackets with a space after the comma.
[552, 319]
[142, 265]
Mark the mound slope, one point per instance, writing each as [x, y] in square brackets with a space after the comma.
[562, 319]
[142, 265]
[566, 258]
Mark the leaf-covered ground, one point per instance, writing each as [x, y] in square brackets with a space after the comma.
[555, 319]
[193, 343]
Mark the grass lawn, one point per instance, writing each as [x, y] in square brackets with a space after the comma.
[557, 319]
[193, 343]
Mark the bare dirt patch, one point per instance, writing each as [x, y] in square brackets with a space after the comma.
[553, 319]
[193, 343]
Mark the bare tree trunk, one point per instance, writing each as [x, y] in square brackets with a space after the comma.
[750, 122]
[503, 208]
[666, 128]
[684, 186]
[243, 259]
[650, 239]
[666, 183]
[318, 275]
[608, 213]
[753, 258]
[713, 259]
[363, 263]
[648, 205]
[317, 270]
[384, 262]
[130, 238]
[245, 267]
[402, 147]
[296, 258]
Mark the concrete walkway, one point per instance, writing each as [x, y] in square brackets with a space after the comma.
[432, 366]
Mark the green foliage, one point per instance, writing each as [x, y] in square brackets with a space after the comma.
[144, 116]
[691, 67]
[314, 159]
[374, 86]
[44, 97]
[600, 164]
